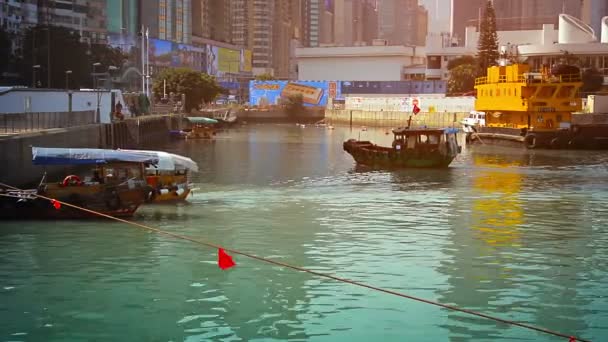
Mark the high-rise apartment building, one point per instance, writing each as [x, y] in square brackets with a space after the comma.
[265, 27]
[511, 15]
[168, 19]
[354, 22]
[123, 16]
[211, 19]
[398, 22]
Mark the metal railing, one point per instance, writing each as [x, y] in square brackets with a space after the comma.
[30, 122]
[532, 78]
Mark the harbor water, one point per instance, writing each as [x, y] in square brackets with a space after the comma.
[511, 233]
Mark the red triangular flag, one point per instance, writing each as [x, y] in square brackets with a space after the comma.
[416, 110]
[224, 261]
[572, 339]
[56, 204]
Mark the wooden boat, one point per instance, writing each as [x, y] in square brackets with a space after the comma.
[170, 178]
[201, 128]
[411, 148]
[114, 185]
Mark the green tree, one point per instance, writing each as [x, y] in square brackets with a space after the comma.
[460, 61]
[197, 87]
[265, 77]
[462, 79]
[487, 46]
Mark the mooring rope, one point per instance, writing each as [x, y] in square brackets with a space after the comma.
[319, 274]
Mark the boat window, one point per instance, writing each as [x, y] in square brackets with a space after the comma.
[411, 142]
[433, 139]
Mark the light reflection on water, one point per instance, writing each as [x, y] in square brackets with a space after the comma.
[515, 234]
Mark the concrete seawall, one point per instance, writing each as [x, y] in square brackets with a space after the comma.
[16, 151]
[280, 116]
[392, 119]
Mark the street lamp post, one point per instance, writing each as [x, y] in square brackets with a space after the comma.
[34, 68]
[98, 113]
[67, 79]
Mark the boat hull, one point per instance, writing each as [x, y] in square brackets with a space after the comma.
[120, 203]
[577, 137]
[364, 153]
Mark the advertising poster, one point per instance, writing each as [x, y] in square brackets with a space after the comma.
[189, 56]
[246, 60]
[161, 53]
[314, 93]
[229, 60]
[212, 60]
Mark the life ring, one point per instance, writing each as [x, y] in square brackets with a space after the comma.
[530, 141]
[71, 180]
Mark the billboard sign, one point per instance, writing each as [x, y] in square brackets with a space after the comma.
[314, 93]
[228, 60]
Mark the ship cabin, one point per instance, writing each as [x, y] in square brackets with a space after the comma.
[516, 99]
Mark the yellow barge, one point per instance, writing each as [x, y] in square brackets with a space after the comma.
[534, 109]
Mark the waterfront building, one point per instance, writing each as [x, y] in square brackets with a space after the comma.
[537, 47]
[381, 62]
[511, 15]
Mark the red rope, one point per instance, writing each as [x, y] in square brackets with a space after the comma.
[319, 274]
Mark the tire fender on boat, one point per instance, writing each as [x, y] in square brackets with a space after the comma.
[556, 143]
[530, 141]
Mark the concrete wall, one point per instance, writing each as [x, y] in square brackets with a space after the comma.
[16, 152]
[405, 104]
[393, 118]
[279, 115]
[32, 100]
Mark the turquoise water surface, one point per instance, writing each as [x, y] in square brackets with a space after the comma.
[516, 234]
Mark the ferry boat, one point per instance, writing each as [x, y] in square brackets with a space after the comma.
[411, 148]
[535, 110]
[170, 178]
[114, 185]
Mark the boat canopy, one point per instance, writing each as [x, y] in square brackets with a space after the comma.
[201, 120]
[169, 161]
[87, 156]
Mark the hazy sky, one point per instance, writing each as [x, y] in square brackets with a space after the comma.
[439, 14]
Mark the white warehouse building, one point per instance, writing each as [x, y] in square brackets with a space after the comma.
[379, 62]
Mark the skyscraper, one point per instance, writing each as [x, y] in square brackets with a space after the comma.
[398, 22]
[168, 19]
[122, 16]
[355, 21]
[211, 19]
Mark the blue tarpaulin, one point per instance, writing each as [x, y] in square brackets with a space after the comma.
[85, 156]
